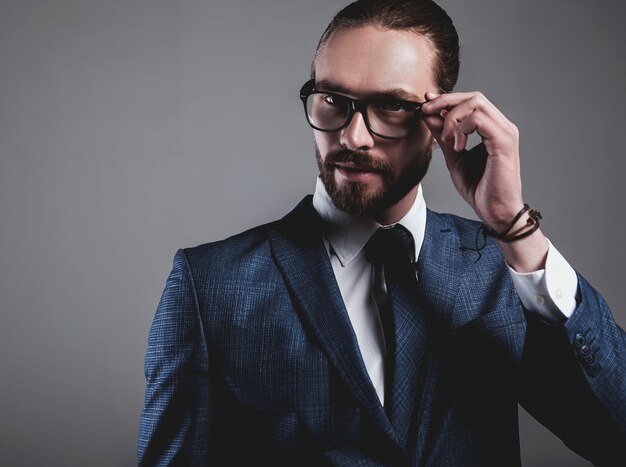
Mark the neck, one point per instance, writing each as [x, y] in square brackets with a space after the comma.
[397, 211]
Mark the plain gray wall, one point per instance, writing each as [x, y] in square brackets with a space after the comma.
[129, 129]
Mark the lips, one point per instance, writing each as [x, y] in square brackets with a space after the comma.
[356, 168]
[356, 173]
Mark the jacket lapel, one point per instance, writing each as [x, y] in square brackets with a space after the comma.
[439, 272]
[452, 275]
[439, 267]
[302, 258]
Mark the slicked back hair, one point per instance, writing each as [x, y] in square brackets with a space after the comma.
[423, 17]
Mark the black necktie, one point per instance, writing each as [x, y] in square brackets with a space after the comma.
[394, 248]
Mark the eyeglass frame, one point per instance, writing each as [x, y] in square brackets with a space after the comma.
[356, 105]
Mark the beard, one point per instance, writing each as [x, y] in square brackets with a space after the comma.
[357, 198]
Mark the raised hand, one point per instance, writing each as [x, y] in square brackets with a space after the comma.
[487, 176]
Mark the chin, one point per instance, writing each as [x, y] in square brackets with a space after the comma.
[367, 189]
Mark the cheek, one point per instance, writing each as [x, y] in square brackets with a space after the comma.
[407, 151]
[324, 141]
[421, 141]
[422, 135]
[399, 152]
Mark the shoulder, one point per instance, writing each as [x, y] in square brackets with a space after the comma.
[249, 243]
[250, 251]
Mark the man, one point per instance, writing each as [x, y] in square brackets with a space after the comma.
[362, 329]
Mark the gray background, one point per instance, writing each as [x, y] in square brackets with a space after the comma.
[129, 129]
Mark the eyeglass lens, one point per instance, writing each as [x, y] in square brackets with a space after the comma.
[330, 112]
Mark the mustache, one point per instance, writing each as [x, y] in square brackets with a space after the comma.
[362, 158]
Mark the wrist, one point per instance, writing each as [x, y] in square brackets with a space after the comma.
[522, 243]
[498, 216]
[524, 224]
[528, 254]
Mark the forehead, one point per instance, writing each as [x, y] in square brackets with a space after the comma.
[370, 59]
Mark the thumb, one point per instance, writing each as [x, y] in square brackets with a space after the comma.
[435, 123]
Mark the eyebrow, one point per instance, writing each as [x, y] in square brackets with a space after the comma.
[394, 93]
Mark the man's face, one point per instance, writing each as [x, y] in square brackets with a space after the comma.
[363, 173]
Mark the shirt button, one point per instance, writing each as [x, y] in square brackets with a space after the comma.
[559, 293]
[584, 350]
[540, 299]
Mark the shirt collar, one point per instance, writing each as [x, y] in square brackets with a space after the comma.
[348, 234]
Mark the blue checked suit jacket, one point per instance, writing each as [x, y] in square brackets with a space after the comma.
[252, 361]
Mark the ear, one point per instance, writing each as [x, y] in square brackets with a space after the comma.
[433, 143]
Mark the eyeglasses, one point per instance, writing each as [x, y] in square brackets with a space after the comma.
[387, 117]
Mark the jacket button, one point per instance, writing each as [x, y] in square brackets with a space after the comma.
[579, 341]
[588, 359]
[593, 370]
[584, 351]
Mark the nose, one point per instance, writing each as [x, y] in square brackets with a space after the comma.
[356, 135]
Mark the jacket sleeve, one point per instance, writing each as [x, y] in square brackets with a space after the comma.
[574, 378]
[175, 419]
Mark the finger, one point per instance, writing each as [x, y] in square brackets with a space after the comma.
[492, 126]
[468, 100]
[447, 101]
[460, 141]
[461, 122]
[430, 95]
[477, 122]
[453, 118]
[465, 128]
[435, 125]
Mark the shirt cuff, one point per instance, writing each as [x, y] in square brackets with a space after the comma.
[551, 292]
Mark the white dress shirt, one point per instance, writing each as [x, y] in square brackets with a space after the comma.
[550, 292]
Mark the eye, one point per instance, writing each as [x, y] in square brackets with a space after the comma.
[334, 100]
[394, 106]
